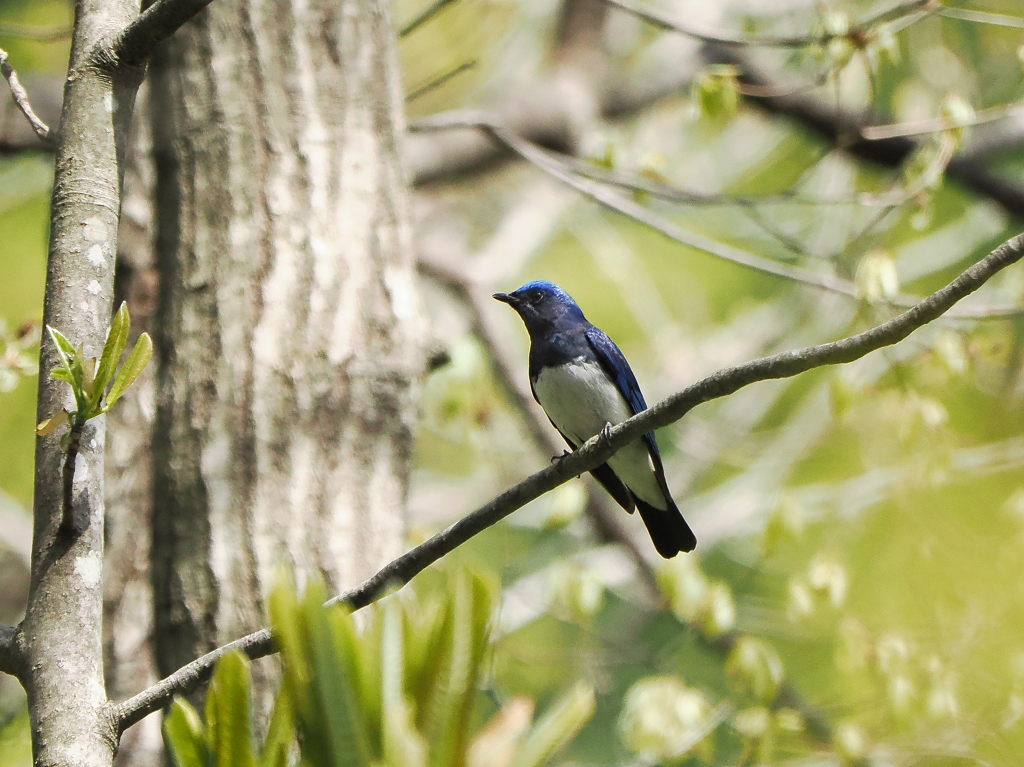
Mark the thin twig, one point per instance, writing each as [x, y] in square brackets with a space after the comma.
[595, 452]
[187, 679]
[783, 91]
[788, 241]
[440, 80]
[658, 19]
[669, 193]
[20, 96]
[430, 12]
[982, 17]
[546, 162]
[150, 28]
[555, 167]
[936, 124]
[10, 650]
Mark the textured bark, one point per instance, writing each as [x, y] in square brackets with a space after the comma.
[288, 330]
[127, 587]
[45, 93]
[62, 627]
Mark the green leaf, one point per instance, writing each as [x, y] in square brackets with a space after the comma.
[290, 636]
[88, 365]
[284, 614]
[229, 713]
[65, 348]
[66, 353]
[716, 92]
[134, 366]
[46, 427]
[426, 626]
[117, 339]
[338, 654]
[401, 743]
[451, 699]
[557, 727]
[183, 734]
[367, 662]
[318, 645]
[61, 374]
[281, 732]
[78, 376]
[78, 362]
[449, 680]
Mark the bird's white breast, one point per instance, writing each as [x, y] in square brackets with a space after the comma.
[580, 399]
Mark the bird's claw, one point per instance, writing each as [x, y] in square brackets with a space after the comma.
[555, 458]
[606, 433]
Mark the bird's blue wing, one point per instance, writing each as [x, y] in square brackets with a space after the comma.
[614, 364]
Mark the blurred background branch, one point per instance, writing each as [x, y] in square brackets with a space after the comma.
[904, 14]
[20, 97]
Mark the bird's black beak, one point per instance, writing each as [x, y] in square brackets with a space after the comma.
[505, 298]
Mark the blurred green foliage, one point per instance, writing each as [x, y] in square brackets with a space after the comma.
[36, 34]
[24, 223]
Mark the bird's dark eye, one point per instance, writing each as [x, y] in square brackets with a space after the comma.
[535, 296]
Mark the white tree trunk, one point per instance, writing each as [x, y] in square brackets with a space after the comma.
[288, 333]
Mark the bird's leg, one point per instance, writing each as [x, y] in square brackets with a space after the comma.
[606, 433]
[559, 457]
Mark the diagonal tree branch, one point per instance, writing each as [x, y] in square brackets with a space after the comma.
[981, 17]
[938, 124]
[439, 80]
[595, 452]
[21, 99]
[424, 16]
[154, 25]
[10, 650]
[546, 162]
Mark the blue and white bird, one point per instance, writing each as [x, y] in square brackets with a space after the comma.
[583, 382]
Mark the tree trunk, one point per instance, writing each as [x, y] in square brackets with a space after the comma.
[129, 661]
[62, 630]
[287, 326]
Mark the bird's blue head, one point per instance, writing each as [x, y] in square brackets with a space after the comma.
[543, 306]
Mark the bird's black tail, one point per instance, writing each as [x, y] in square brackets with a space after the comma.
[668, 529]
